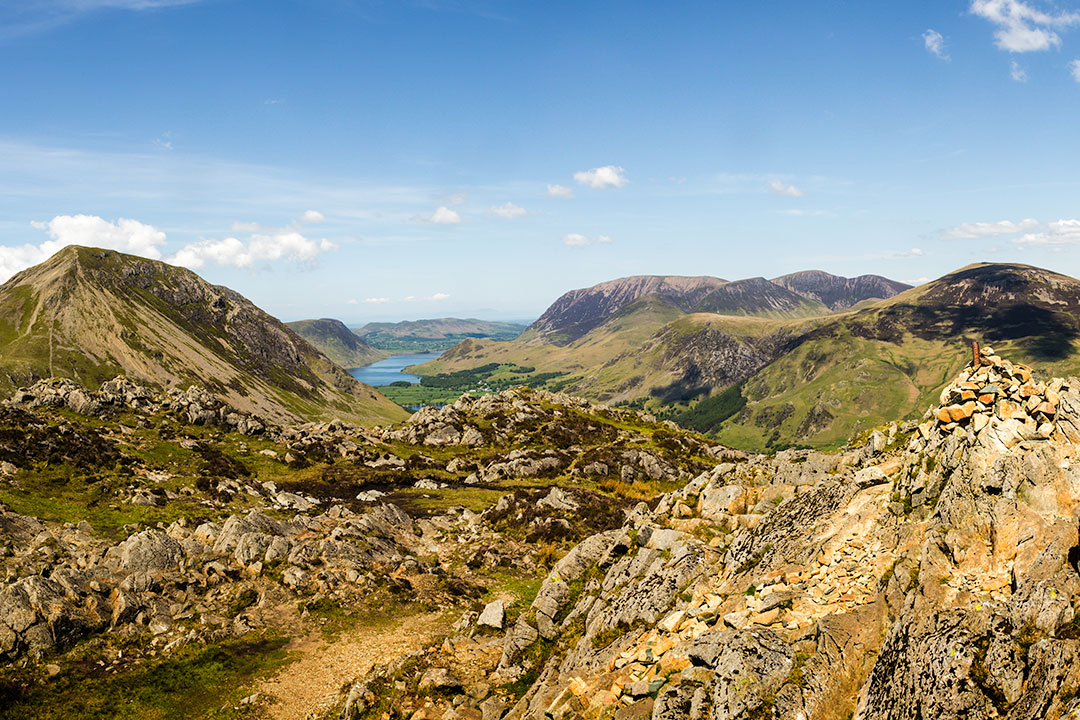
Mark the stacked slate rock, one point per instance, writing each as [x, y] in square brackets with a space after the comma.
[1000, 395]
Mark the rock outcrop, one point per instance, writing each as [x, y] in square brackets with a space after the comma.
[932, 571]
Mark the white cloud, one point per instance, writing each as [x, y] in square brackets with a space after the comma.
[976, 230]
[377, 300]
[263, 244]
[1021, 27]
[312, 216]
[1074, 68]
[1028, 232]
[781, 189]
[458, 198]
[579, 240]
[509, 210]
[560, 191]
[285, 245]
[1017, 73]
[352, 301]
[445, 216]
[125, 235]
[601, 177]
[935, 44]
[440, 296]
[1053, 235]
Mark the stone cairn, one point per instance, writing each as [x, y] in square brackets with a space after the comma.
[992, 387]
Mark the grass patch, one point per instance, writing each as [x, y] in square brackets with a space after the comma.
[195, 682]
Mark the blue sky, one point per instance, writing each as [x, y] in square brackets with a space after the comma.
[391, 160]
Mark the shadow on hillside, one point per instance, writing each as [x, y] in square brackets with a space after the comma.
[1045, 333]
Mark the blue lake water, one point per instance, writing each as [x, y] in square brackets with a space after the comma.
[389, 370]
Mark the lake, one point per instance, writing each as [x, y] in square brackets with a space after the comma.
[389, 370]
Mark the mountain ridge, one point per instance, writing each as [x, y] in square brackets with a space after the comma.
[810, 380]
[840, 293]
[91, 314]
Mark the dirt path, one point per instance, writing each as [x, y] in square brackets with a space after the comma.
[310, 685]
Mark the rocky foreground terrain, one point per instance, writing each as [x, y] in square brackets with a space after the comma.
[929, 570]
[159, 547]
[163, 553]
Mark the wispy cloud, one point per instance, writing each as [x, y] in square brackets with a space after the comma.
[608, 176]
[1074, 68]
[1056, 234]
[1020, 27]
[377, 300]
[560, 191]
[797, 212]
[903, 254]
[578, 240]
[38, 175]
[935, 44]
[509, 210]
[18, 19]
[977, 230]
[1017, 73]
[781, 189]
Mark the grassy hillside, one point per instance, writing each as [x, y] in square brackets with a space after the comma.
[809, 381]
[337, 342]
[92, 314]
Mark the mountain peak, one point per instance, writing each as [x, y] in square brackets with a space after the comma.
[579, 311]
[837, 292]
[91, 314]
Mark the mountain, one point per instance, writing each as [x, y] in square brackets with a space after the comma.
[337, 342]
[435, 334]
[840, 293]
[761, 380]
[757, 296]
[891, 358]
[92, 314]
[579, 311]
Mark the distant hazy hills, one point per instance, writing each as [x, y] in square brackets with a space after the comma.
[337, 342]
[770, 363]
[91, 314]
[433, 335]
